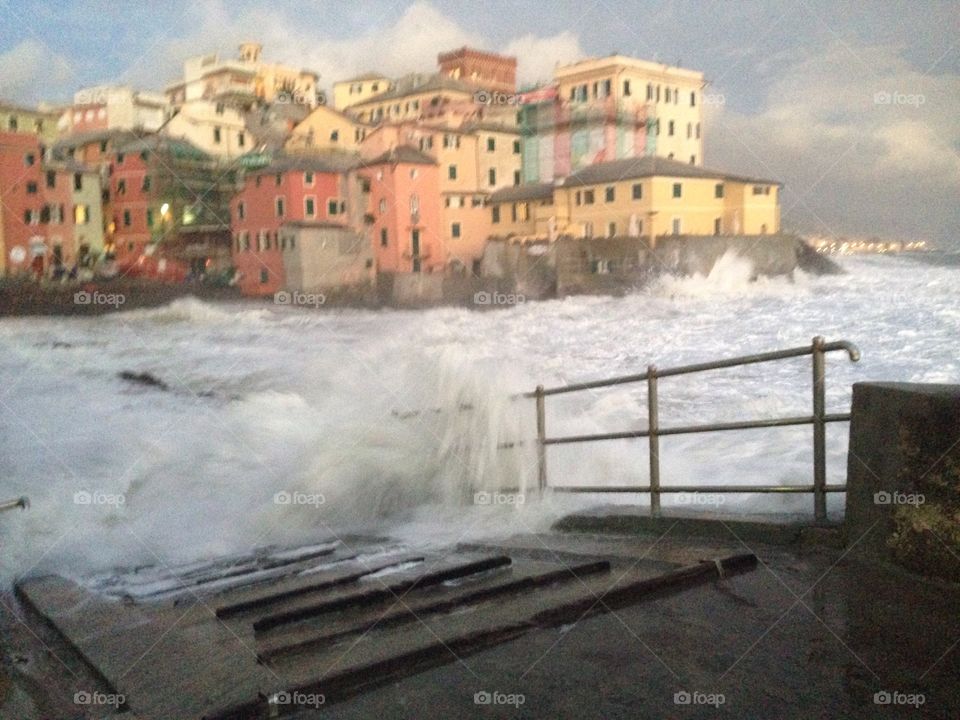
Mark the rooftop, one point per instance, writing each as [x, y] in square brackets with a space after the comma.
[321, 161]
[402, 154]
[519, 193]
[416, 83]
[642, 167]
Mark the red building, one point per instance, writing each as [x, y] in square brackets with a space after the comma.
[36, 214]
[405, 211]
[315, 188]
[169, 209]
[481, 69]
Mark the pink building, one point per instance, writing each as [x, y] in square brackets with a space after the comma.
[405, 211]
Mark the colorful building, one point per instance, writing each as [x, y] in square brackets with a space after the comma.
[169, 206]
[327, 129]
[36, 221]
[405, 219]
[41, 121]
[114, 107]
[291, 190]
[640, 197]
[611, 108]
[481, 69]
[243, 81]
[358, 89]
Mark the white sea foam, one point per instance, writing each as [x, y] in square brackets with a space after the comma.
[391, 422]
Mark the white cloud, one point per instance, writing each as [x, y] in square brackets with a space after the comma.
[31, 71]
[538, 56]
[864, 143]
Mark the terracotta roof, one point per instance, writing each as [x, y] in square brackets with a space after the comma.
[364, 76]
[632, 168]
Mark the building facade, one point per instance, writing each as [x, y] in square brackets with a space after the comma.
[291, 191]
[483, 70]
[114, 107]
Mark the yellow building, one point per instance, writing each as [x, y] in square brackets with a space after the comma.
[639, 196]
[671, 96]
[413, 97]
[327, 128]
[358, 89]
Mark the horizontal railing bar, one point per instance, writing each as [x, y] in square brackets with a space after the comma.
[690, 429]
[696, 488]
[848, 347]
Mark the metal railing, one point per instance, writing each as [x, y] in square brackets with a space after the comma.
[819, 419]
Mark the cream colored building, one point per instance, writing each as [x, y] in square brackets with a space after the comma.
[244, 79]
[358, 89]
[214, 127]
[672, 97]
[40, 121]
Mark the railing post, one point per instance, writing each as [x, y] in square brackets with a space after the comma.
[541, 440]
[653, 425]
[819, 432]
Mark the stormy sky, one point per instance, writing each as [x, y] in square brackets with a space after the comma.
[854, 106]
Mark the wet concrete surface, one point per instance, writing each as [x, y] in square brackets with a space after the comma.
[810, 633]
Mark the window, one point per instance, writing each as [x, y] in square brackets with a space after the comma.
[283, 242]
[241, 139]
[127, 221]
[119, 158]
[455, 230]
[491, 144]
[121, 187]
[51, 179]
[649, 91]
[588, 197]
[246, 240]
[678, 190]
[513, 212]
[279, 207]
[77, 181]
[81, 214]
[607, 88]
[216, 136]
[383, 206]
[516, 147]
[103, 146]
[241, 211]
[309, 207]
[698, 131]
[689, 130]
[612, 229]
[383, 237]
[676, 226]
[452, 172]
[149, 217]
[278, 179]
[308, 178]
[761, 189]
[146, 183]
[496, 213]
[32, 188]
[29, 159]
[716, 226]
[637, 191]
[334, 136]
[693, 98]
[332, 206]
[718, 190]
[693, 159]
[609, 194]
[626, 88]
[516, 177]
[264, 276]
[144, 155]
[492, 176]
[670, 128]
[12, 122]
[578, 198]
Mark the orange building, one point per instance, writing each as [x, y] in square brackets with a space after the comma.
[405, 211]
